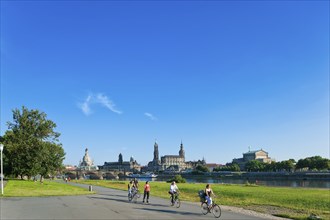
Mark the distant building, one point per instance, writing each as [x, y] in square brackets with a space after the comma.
[121, 165]
[87, 163]
[260, 155]
[211, 166]
[70, 168]
[168, 162]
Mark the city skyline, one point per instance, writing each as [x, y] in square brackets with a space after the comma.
[128, 158]
[220, 76]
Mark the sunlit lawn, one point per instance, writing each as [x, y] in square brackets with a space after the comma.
[47, 188]
[296, 203]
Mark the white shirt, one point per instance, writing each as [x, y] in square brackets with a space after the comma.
[173, 188]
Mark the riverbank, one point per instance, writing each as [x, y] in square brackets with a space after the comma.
[325, 176]
[291, 203]
[283, 179]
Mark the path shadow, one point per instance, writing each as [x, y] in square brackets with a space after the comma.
[108, 198]
[112, 195]
[171, 211]
[154, 205]
[126, 201]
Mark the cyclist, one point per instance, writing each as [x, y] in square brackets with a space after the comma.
[136, 184]
[208, 194]
[129, 187]
[173, 191]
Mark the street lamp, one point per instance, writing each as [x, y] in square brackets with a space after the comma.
[1, 149]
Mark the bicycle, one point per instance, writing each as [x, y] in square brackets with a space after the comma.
[134, 195]
[214, 208]
[176, 199]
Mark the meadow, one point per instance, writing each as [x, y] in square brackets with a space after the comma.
[24, 188]
[295, 203]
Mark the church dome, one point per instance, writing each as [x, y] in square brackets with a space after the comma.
[86, 161]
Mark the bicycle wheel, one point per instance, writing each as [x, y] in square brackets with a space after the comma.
[216, 211]
[177, 203]
[138, 195]
[129, 197]
[204, 208]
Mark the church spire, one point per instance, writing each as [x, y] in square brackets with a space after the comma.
[156, 153]
[181, 152]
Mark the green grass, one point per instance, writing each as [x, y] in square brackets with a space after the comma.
[47, 188]
[296, 203]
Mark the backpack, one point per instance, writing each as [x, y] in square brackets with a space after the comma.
[201, 194]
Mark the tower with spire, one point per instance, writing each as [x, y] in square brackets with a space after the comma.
[181, 152]
[120, 159]
[156, 153]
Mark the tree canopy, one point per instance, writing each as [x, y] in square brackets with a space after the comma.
[313, 163]
[31, 145]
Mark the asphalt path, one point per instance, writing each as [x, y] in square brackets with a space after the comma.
[105, 204]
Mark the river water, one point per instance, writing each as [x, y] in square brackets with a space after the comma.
[284, 183]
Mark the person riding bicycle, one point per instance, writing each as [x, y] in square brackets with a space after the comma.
[129, 187]
[173, 191]
[134, 188]
[208, 194]
[136, 184]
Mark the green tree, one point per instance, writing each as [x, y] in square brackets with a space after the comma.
[202, 168]
[271, 167]
[313, 163]
[254, 166]
[288, 165]
[178, 179]
[30, 143]
[53, 156]
[234, 167]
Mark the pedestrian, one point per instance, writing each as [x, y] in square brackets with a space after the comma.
[146, 192]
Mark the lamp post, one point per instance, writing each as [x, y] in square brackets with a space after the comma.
[1, 149]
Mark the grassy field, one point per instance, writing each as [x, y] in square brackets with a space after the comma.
[48, 188]
[295, 203]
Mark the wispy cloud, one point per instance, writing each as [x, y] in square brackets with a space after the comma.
[85, 106]
[106, 102]
[150, 116]
[98, 98]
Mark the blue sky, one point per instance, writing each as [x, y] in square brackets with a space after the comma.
[220, 76]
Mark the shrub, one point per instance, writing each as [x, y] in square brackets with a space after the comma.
[178, 179]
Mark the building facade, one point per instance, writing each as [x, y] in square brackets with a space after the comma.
[259, 155]
[121, 165]
[168, 162]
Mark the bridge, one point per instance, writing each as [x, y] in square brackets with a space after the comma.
[95, 174]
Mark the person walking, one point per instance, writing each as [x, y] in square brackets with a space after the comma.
[146, 192]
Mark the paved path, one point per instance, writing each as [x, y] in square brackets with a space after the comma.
[106, 204]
